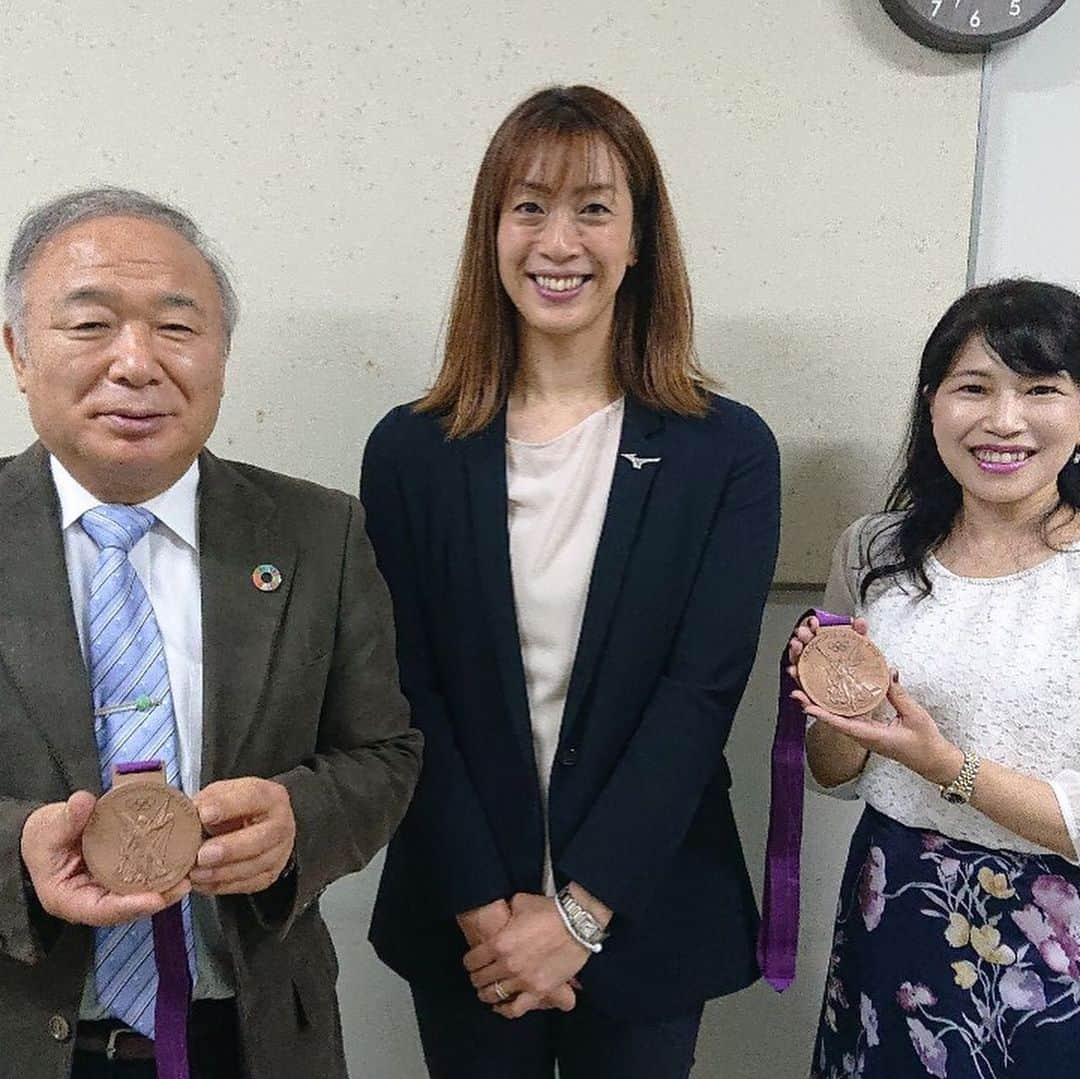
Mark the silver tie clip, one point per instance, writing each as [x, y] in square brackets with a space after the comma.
[140, 704]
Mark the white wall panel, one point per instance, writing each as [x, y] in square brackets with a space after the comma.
[1029, 213]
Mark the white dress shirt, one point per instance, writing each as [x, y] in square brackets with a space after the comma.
[166, 561]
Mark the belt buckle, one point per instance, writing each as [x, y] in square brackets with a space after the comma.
[110, 1044]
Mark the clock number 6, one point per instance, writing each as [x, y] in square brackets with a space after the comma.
[975, 22]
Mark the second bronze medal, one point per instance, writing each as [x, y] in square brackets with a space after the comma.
[843, 672]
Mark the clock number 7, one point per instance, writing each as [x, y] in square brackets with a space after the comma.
[937, 7]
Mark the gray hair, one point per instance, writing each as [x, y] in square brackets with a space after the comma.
[43, 223]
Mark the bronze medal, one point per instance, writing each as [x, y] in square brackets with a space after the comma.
[142, 836]
[842, 672]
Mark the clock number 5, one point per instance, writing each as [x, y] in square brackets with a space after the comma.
[1014, 7]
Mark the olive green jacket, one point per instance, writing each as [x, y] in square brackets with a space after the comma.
[299, 684]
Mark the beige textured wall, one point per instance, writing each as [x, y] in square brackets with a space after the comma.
[821, 166]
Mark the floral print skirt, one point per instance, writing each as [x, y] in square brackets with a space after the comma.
[951, 960]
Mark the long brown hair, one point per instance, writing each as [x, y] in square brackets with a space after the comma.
[652, 335]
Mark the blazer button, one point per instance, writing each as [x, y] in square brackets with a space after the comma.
[59, 1028]
[568, 756]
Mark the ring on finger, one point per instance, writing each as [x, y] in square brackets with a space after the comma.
[500, 992]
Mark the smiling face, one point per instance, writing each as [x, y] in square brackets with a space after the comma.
[1004, 436]
[121, 355]
[565, 239]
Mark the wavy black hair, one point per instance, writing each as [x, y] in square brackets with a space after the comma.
[1034, 327]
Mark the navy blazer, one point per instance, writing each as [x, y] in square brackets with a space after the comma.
[639, 808]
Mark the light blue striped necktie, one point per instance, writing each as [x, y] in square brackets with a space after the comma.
[133, 721]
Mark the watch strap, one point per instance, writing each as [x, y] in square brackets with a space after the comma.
[960, 790]
[579, 921]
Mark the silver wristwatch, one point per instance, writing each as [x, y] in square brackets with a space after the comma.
[579, 922]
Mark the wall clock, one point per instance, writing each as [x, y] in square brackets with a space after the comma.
[968, 25]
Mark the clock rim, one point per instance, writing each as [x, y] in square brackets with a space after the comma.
[915, 25]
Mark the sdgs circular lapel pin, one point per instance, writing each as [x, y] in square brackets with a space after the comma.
[266, 578]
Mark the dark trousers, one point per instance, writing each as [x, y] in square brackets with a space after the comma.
[213, 1050]
[464, 1039]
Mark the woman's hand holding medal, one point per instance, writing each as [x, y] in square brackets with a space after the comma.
[841, 682]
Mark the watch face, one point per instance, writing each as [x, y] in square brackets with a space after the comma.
[968, 25]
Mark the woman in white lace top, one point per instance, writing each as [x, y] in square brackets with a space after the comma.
[957, 944]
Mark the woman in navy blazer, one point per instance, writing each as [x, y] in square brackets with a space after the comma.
[570, 341]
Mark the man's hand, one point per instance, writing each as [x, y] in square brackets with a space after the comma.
[51, 848]
[252, 831]
[532, 958]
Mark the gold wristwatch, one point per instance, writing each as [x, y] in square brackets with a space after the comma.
[960, 789]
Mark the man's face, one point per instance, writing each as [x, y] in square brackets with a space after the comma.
[122, 357]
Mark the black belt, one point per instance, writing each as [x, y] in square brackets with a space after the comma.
[115, 1041]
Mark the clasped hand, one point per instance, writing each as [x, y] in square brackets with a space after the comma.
[532, 958]
[252, 831]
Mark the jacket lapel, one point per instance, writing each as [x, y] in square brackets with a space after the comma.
[240, 623]
[39, 644]
[485, 462]
[642, 437]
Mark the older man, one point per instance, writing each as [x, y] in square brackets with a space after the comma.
[158, 602]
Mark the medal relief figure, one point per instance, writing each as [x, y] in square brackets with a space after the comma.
[148, 826]
[847, 687]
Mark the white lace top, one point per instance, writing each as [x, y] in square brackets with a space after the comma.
[995, 661]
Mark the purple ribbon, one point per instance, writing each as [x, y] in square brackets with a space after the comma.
[174, 980]
[131, 767]
[778, 937]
